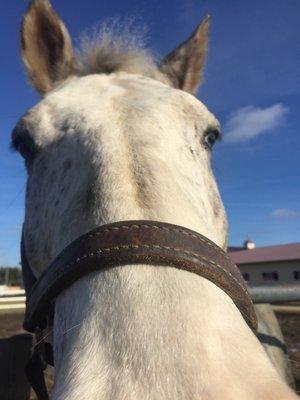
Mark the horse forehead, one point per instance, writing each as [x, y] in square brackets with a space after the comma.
[94, 93]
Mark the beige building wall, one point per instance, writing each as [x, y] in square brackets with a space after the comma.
[271, 272]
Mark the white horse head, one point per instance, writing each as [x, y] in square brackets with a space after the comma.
[117, 137]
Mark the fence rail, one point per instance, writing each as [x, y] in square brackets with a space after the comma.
[279, 293]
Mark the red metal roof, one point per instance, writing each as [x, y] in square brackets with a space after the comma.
[282, 252]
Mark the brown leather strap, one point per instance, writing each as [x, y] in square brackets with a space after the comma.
[137, 242]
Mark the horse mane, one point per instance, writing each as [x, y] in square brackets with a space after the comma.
[115, 47]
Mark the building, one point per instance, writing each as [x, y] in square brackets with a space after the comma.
[265, 265]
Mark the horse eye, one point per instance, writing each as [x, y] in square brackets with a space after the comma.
[23, 142]
[210, 137]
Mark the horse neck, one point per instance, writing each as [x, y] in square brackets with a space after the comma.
[154, 332]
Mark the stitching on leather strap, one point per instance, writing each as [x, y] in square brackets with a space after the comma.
[175, 249]
[163, 228]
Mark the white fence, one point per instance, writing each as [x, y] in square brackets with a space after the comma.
[12, 300]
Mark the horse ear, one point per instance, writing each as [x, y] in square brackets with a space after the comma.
[46, 46]
[184, 65]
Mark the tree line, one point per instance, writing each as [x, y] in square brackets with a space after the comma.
[11, 276]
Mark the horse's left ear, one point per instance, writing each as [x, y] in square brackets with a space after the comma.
[184, 65]
[46, 47]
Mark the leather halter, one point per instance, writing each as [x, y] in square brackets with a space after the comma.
[136, 242]
[127, 243]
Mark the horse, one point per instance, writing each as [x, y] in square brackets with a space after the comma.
[117, 136]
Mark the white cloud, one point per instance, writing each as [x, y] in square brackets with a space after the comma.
[248, 122]
[284, 212]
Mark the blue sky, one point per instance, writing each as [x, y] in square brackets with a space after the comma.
[252, 84]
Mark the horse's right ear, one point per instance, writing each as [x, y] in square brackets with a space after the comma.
[184, 66]
[46, 47]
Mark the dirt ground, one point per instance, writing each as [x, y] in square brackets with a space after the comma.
[290, 325]
[15, 347]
